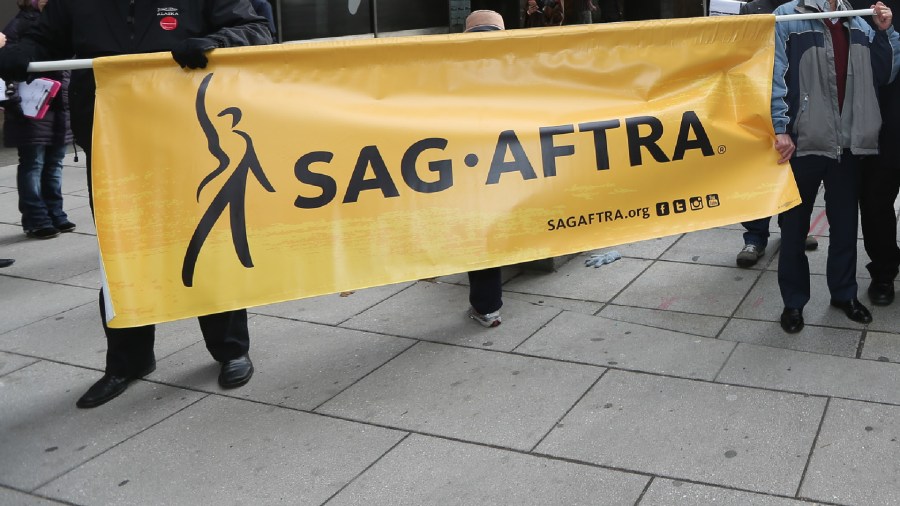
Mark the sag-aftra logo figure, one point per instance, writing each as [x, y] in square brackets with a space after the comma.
[233, 193]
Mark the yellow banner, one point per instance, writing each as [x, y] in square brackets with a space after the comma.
[289, 171]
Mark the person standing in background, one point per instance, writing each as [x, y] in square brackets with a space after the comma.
[41, 143]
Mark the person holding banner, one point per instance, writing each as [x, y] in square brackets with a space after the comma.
[825, 116]
[879, 188]
[189, 29]
[756, 237]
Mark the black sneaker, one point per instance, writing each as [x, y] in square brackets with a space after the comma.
[43, 233]
[66, 226]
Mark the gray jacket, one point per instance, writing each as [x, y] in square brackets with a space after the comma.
[804, 85]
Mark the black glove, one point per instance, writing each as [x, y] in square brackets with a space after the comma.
[191, 53]
[13, 64]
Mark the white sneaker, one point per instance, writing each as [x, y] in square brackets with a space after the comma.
[486, 320]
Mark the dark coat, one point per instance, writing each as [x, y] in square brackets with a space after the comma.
[94, 28]
[761, 6]
[53, 128]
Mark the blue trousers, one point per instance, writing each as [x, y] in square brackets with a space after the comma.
[841, 179]
[486, 290]
[757, 232]
[39, 180]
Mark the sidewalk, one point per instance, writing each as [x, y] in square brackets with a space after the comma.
[660, 379]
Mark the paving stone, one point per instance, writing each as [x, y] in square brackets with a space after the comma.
[82, 216]
[41, 260]
[818, 261]
[14, 498]
[426, 470]
[604, 342]
[884, 318]
[650, 249]
[824, 340]
[43, 434]
[718, 434]
[334, 308]
[299, 365]
[797, 371]
[76, 337]
[710, 247]
[881, 346]
[469, 394]
[228, 451]
[678, 493]
[10, 363]
[90, 279]
[578, 306]
[701, 289]
[764, 303]
[857, 455]
[575, 281]
[437, 312]
[689, 323]
[35, 300]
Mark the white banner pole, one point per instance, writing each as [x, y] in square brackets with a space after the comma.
[47, 66]
[825, 15]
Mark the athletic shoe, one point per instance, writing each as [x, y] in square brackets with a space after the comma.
[486, 320]
[749, 255]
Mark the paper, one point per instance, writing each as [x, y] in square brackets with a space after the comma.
[36, 96]
[724, 7]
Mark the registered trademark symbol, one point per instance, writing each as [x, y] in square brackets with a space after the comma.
[722, 149]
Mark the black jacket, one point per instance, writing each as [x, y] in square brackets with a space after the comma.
[761, 6]
[93, 28]
[53, 128]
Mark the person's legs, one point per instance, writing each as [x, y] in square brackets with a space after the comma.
[28, 181]
[841, 200]
[51, 185]
[879, 186]
[486, 295]
[757, 232]
[793, 266]
[228, 341]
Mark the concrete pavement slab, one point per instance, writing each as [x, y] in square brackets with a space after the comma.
[298, 365]
[578, 306]
[881, 346]
[10, 363]
[797, 371]
[437, 312]
[716, 246]
[43, 434]
[89, 279]
[650, 249]
[575, 281]
[229, 451]
[36, 300]
[331, 309]
[688, 323]
[718, 434]
[678, 493]
[76, 337]
[884, 318]
[430, 471]
[856, 459]
[604, 342]
[41, 260]
[10, 497]
[824, 340]
[764, 303]
[469, 394]
[688, 288]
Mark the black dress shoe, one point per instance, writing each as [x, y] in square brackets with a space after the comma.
[854, 310]
[236, 372]
[108, 388]
[792, 320]
[6, 262]
[65, 227]
[43, 233]
[881, 293]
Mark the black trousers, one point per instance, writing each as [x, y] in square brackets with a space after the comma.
[841, 180]
[878, 191]
[485, 290]
[130, 350]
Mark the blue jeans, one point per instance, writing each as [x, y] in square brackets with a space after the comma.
[39, 179]
[757, 232]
